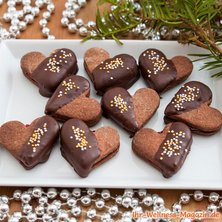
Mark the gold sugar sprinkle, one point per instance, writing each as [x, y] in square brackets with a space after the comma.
[114, 64]
[189, 94]
[35, 139]
[172, 146]
[67, 85]
[119, 102]
[80, 135]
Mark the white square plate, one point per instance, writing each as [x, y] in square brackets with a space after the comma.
[20, 100]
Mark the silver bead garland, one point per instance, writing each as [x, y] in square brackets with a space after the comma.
[70, 205]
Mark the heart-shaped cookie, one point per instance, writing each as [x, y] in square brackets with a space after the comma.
[70, 100]
[85, 149]
[130, 112]
[166, 150]
[30, 144]
[191, 106]
[161, 73]
[48, 73]
[94, 57]
[119, 71]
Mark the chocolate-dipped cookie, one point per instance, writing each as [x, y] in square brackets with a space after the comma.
[70, 100]
[130, 112]
[48, 73]
[191, 106]
[30, 144]
[166, 150]
[85, 149]
[119, 71]
[161, 73]
[94, 57]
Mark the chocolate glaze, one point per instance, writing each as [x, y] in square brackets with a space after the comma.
[49, 73]
[125, 119]
[69, 89]
[38, 151]
[189, 97]
[157, 71]
[82, 160]
[119, 71]
[174, 149]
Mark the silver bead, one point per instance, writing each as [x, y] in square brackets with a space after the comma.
[126, 202]
[63, 216]
[142, 193]
[15, 21]
[7, 17]
[46, 218]
[71, 201]
[91, 213]
[51, 7]
[40, 210]
[105, 194]
[76, 192]
[17, 214]
[186, 220]
[128, 192]
[91, 192]
[20, 14]
[26, 2]
[69, 5]
[214, 197]
[82, 3]
[37, 192]
[51, 193]
[35, 11]
[27, 9]
[83, 31]
[220, 204]
[148, 200]
[22, 26]
[52, 209]
[39, 3]
[134, 202]
[118, 200]
[175, 33]
[79, 22]
[138, 209]
[46, 15]
[13, 28]
[105, 217]
[71, 14]
[64, 194]
[29, 19]
[76, 211]
[72, 219]
[76, 7]
[158, 202]
[43, 200]
[25, 197]
[137, 7]
[198, 195]
[17, 194]
[4, 208]
[11, 9]
[65, 13]
[212, 208]
[113, 210]
[13, 219]
[86, 200]
[57, 203]
[100, 204]
[176, 207]
[184, 198]
[91, 24]
[11, 3]
[45, 31]
[1, 2]
[32, 217]
[65, 22]
[87, 220]
[27, 208]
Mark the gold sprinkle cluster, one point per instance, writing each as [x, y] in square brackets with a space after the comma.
[159, 63]
[35, 139]
[80, 136]
[172, 146]
[113, 64]
[189, 95]
[67, 85]
[55, 61]
[119, 102]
